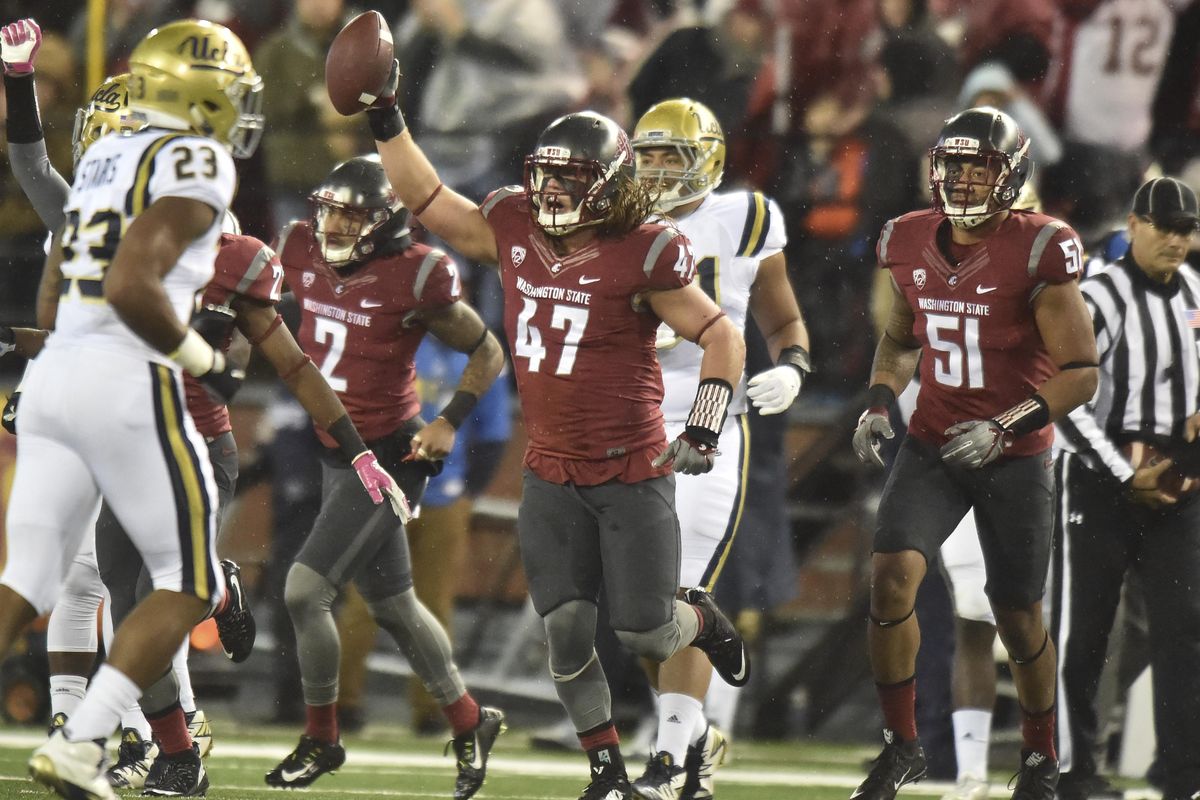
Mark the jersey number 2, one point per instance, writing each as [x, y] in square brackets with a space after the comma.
[571, 319]
[327, 330]
[952, 360]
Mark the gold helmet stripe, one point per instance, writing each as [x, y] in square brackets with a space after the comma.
[139, 194]
[758, 221]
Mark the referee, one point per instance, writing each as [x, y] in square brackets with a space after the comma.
[1120, 510]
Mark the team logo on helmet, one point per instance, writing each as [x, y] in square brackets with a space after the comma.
[919, 278]
[518, 255]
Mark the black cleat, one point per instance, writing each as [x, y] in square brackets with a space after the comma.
[662, 780]
[179, 775]
[235, 625]
[608, 785]
[310, 760]
[1090, 787]
[720, 640]
[1037, 778]
[471, 751]
[898, 764]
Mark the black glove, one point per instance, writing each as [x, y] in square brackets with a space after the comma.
[691, 453]
[223, 380]
[8, 418]
[215, 325]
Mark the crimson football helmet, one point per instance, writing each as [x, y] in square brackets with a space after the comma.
[581, 156]
[980, 148]
[355, 212]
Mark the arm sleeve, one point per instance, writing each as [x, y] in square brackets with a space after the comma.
[41, 183]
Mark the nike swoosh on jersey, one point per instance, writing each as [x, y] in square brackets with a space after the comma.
[585, 281]
[370, 303]
[984, 289]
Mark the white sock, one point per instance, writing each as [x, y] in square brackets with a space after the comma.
[721, 702]
[699, 729]
[179, 665]
[677, 716]
[110, 694]
[972, 730]
[134, 718]
[66, 692]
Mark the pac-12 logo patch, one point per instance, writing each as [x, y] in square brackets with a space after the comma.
[309, 279]
[518, 255]
[919, 278]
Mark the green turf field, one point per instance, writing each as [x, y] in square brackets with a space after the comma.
[391, 763]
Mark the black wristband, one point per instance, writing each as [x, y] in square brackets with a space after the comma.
[1025, 417]
[796, 357]
[386, 123]
[24, 120]
[350, 442]
[458, 408]
[880, 395]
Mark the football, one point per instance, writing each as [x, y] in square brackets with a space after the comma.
[358, 63]
[1174, 482]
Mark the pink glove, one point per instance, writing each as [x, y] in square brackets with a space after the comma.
[376, 480]
[19, 43]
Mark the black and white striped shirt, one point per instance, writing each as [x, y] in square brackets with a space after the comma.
[1147, 335]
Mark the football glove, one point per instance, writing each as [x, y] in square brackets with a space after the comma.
[774, 390]
[379, 483]
[8, 417]
[975, 443]
[873, 427]
[689, 454]
[19, 44]
[214, 324]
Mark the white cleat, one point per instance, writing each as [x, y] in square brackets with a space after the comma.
[703, 759]
[73, 769]
[968, 788]
[201, 730]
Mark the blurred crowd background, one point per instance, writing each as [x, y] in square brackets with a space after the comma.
[828, 105]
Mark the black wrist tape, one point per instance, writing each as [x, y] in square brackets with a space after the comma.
[458, 408]
[881, 396]
[709, 408]
[1025, 417]
[24, 120]
[346, 435]
[796, 357]
[386, 123]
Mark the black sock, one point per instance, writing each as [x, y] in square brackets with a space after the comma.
[606, 761]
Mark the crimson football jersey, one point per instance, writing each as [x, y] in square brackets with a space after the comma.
[359, 324]
[981, 349]
[247, 267]
[582, 348]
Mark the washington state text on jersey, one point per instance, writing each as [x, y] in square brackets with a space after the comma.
[340, 314]
[553, 292]
[953, 306]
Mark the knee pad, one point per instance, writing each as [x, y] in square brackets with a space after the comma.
[72, 627]
[571, 637]
[657, 644]
[307, 592]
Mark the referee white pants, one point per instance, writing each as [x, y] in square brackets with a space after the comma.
[96, 423]
[710, 506]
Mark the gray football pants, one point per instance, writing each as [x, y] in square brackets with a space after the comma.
[354, 540]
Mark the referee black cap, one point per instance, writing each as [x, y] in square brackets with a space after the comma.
[1168, 203]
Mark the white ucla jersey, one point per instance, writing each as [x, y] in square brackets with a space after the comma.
[1117, 58]
[731, 233]
[115, 181]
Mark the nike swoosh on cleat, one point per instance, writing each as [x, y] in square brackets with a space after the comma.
[290, 776]
[740, 675]
[900, 782]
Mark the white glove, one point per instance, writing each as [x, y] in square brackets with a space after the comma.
[19, 43]
[774, 390]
